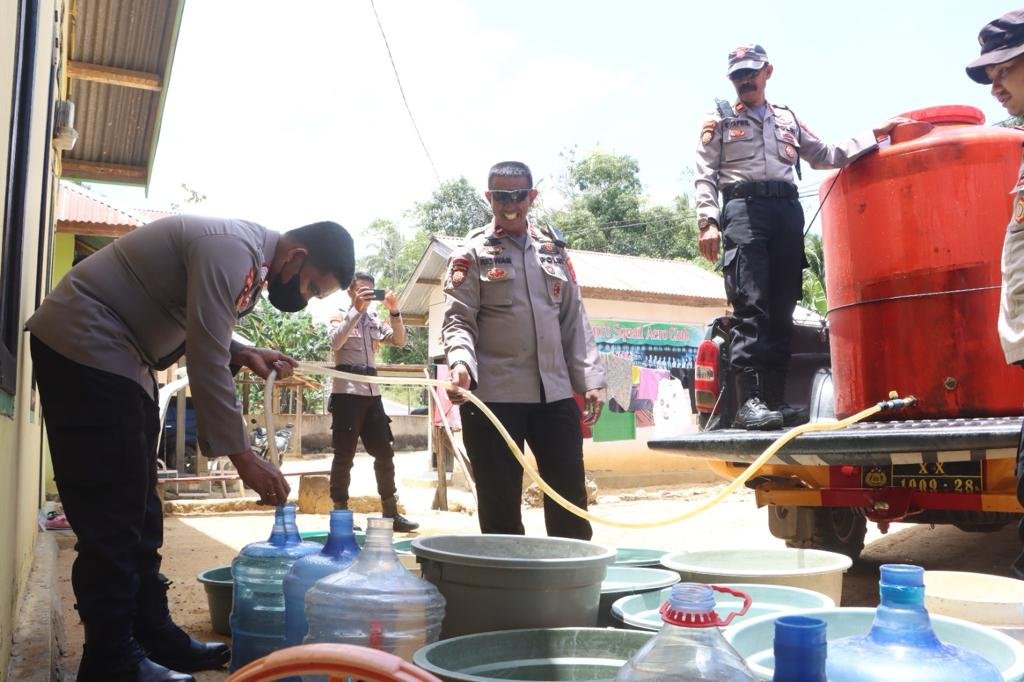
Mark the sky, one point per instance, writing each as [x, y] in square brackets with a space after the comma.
[288, 113]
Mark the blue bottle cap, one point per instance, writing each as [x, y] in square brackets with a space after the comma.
[799, 631]
[904, 575]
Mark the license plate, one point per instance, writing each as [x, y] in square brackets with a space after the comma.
[932, 477]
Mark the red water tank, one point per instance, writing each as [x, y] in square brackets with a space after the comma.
[913, 238]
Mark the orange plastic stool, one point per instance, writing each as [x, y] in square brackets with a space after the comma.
[340, 662]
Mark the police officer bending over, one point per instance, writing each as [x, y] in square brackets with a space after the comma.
[177, 284]
[748, 152]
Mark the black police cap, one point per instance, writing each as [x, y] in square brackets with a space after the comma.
[1001, 40]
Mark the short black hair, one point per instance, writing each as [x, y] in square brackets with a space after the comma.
[330, 249]
[362, 274]
[509, 169]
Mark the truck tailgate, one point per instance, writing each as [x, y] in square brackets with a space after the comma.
[863, 443]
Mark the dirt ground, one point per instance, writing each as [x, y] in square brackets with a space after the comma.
[194, 543]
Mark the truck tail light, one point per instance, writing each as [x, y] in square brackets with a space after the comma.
[706, 379]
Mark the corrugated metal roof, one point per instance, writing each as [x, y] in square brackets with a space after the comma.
[118, 124]
[611, 273]
[77, 204]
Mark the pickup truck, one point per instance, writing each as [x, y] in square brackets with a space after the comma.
[822, 488]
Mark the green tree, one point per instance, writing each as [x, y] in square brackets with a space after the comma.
[814, 275]
[453, 209]
[293, 333]
[608, 212]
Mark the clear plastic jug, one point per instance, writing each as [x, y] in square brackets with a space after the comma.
[340, 550]
[901, 644]
[376, 601]
[689, 646]
[800, 649]
[257, 609]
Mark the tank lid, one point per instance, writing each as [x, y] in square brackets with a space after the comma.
[948, 114]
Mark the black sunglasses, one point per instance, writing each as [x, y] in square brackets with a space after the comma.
[510, 196]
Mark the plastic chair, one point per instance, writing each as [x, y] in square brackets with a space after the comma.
[340, 662]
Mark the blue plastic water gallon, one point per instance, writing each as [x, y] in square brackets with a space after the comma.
[800, 649]
[901, 644]
[689, 645]
[257, 611]
[339, 551]
[375, 602]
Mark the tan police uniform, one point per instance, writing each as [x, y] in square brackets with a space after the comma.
[177, 284]
[514, 316]
[354, 341]
[1011, 306]
[743, 148]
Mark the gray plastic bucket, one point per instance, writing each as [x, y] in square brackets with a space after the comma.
[623, 581]
[503, 582]
[219, 585]
[551, 654]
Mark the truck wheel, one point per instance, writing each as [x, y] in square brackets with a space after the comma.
[836, 529]
[969, 527]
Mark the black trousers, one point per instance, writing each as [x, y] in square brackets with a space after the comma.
[554, 434]
[763, 260]
[103, 430]
[354, 417]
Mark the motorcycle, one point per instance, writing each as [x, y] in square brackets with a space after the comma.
[261, 444]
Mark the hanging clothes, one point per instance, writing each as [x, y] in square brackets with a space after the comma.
[619, 374]
[649, 379]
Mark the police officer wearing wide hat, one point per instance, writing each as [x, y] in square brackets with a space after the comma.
[1001, 64]
[177, 284]
[748, 153]
[516, 332]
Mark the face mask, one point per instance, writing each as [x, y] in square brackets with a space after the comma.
[286, 296]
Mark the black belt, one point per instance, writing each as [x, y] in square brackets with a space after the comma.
[774, 189]
[365, 370]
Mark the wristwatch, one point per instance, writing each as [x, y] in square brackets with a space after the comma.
[397, 313]
[705, 223]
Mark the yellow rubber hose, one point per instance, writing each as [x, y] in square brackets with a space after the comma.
[748, 473]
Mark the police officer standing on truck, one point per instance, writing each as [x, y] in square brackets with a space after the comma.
[516, 332]
[748, 152]
[1001, 64]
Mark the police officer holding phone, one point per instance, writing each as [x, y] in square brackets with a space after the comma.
[748, 152]
[356, 407]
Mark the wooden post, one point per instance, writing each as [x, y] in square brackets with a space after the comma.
[297, 433]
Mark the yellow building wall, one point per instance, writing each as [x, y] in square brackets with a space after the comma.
[21, 456]
[63, 256]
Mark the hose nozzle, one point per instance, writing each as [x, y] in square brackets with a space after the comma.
[896, 403]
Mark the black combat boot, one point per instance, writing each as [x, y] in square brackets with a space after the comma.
[389, 509]
[110, 654]
[775, 397]
[752, 413]
[165, 643]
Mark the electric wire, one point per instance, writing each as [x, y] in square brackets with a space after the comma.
[401, 90]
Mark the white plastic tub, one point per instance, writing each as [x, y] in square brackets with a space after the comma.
[641, 611]
[810, 569]
[990, 600]
[754, 639]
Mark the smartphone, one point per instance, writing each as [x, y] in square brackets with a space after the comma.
[378, 294]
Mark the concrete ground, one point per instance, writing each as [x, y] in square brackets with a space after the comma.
[196, 542]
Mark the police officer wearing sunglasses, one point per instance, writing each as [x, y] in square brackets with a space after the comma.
[748, 154]
[515, 331]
